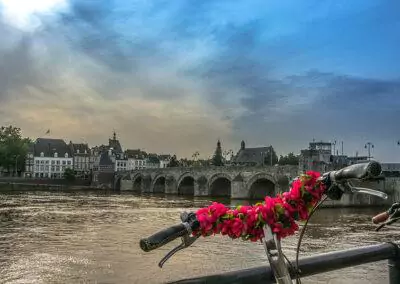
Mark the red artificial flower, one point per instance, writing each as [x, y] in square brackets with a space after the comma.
[280, 212]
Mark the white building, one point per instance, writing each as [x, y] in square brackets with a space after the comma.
[136, 159]
[164, 160]
[51, 158]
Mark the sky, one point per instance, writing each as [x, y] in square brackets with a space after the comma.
[176, 76]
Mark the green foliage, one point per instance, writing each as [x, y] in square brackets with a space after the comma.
[13, 148]
[69, 174]
[267, 157]
[217, 159]
[173, 162]
[289, 159]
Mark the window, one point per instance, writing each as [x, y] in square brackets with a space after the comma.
[66, 155]
[77, 151]
[41, 154]
[64, 162]
[47, 162]
[55, 155]
[53, 162]
[37, 162]
[57, 168]
[58, 162]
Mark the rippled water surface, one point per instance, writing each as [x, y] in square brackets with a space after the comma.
[56, 237]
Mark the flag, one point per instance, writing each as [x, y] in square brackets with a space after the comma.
[48, 131]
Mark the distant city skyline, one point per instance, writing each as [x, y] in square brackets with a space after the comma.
[176, 78]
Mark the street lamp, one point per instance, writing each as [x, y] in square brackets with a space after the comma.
[368, 146]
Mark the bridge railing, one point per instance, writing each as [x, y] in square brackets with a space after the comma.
[315, 265]
[222, 168]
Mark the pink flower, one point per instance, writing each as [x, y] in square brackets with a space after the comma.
[280, 212]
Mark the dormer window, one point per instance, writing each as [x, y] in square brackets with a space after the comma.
[55, 155]
[85, 151]
[66, 155]
[77, 151]
[41, 154]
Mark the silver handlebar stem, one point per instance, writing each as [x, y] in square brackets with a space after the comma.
[272, 246]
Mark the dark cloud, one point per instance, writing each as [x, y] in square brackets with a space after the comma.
[17, 67]
[340, 105]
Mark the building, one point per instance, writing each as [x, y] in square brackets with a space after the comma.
[81, 159]
[318, 157]
[29, 161]
[103, 171]
[152, 161]
[108, 159]
[51, 158]
[391, 169]
[137, 159]
[357, 159]
[121, 162]
[164, 160]
[253, 156]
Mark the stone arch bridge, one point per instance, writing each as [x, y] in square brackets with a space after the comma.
[234, 182]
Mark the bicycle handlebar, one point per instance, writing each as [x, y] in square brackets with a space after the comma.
[189, 223]
[358, 171]
[164, 236]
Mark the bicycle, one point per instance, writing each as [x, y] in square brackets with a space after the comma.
[332, 184]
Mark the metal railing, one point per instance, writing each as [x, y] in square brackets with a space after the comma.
[314, 265]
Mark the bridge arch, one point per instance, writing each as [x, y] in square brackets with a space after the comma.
[220, 184]
[137, 180]
[261, 185]
[159, 183]
[186, 184]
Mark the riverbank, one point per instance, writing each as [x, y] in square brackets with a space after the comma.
[21, 184]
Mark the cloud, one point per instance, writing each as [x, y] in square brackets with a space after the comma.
[176, 76]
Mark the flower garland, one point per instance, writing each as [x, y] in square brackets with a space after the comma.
[280, 212]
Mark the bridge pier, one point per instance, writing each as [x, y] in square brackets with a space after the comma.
[170, 185]
[146, 184]
[200, 187]
[239, 190]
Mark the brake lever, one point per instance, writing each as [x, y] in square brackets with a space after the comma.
[187, 241]
[348, 186]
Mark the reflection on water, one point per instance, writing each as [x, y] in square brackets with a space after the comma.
[90, 237]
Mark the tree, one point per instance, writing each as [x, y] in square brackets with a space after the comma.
[289, 159]
[217, 159]
[173, 162]
[267, 157]
[13, 148]
[69, 174]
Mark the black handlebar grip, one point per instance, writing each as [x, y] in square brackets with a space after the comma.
[359, 171]
[163, 237]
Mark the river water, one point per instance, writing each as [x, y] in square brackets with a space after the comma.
[58, 237]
